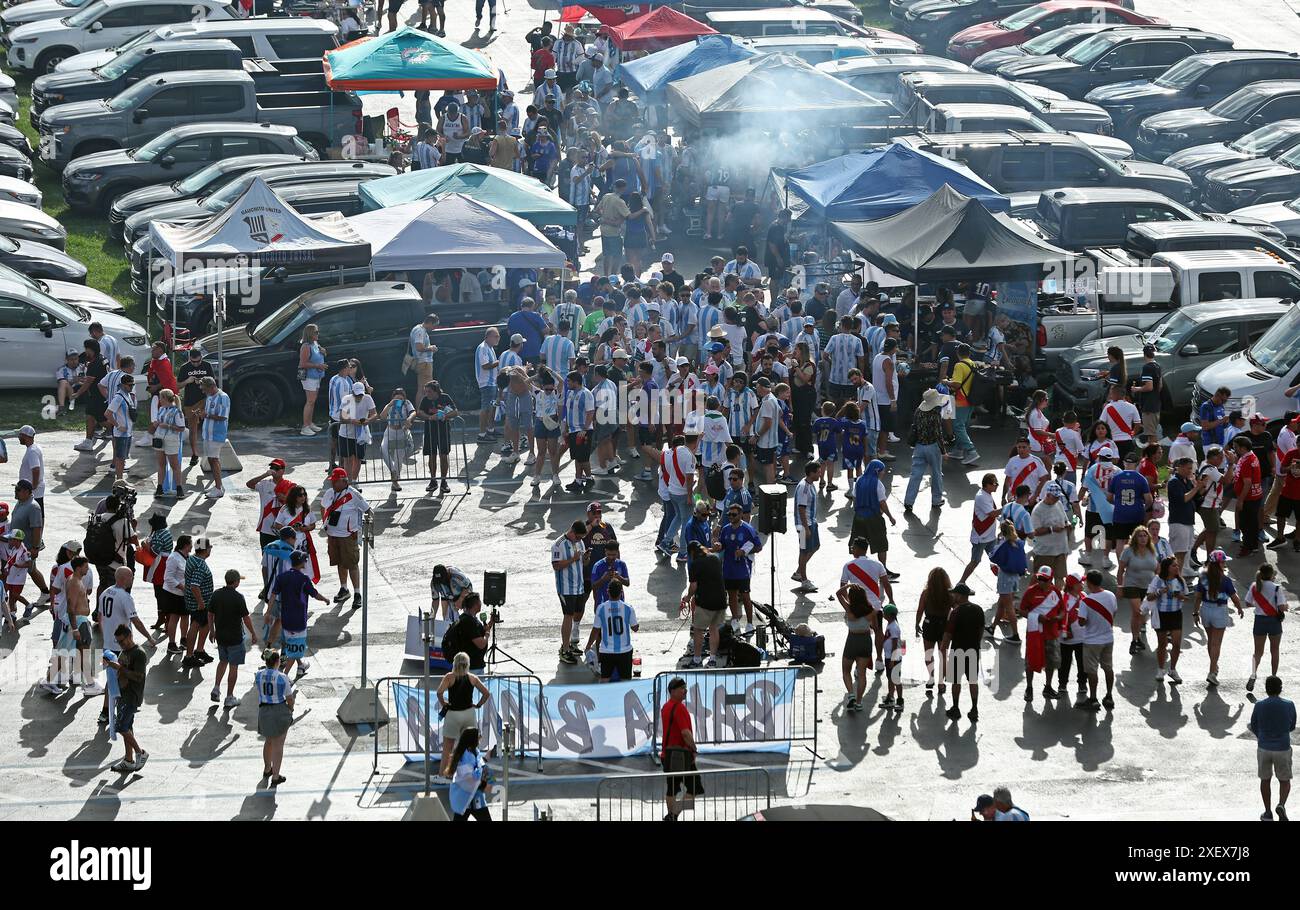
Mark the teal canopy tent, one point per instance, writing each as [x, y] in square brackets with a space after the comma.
[515, 193]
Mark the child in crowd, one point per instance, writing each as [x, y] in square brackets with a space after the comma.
[826, 431]
[67, 378]
[893, 653]
[784, 432]
[853, 443]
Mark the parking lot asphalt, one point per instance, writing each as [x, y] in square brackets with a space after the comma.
[1165, 752]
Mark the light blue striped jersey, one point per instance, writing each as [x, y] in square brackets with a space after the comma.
[615, 619]
[577, 403]
[805, 494]
[484, 375]
[1018, 515]
[510, 359]
[340, 385]
[709, 316]
[844, 350]
[272, 686]
[120, 406]
[568, 580]
[556, 352]
[740, 405]
[875, 336]
[217, 405]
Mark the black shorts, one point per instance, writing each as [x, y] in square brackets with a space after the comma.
[647, 435]
[171, 604]
[1120, 530]
[679, 760]
[437, 439]
[886, 422]
[572, 603]
[1171, 621]
[351, 448]
[1287, 507]
[872, 527]
[580, 450]
[765, 456]
[736, 584]
[932, 630]
[198, 617]
[620, 662]
[94, 405]
[1091, 521]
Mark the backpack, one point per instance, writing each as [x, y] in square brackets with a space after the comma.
[100, 545]
[451, 641]
[714, 483]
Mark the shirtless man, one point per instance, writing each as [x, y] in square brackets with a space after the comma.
[79, 631]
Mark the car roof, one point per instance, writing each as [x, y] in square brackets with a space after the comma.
[286, 25]
[349, 294]
[895, 63]
[1273, 87]
[188, 45]
[1161, 229]
[1076, 4]
[778, 13]
[231, 129]
[808, 40]
[113, 4]
[1247, 54]
[1130, 32]
[1073, 195]
[1194, 258]
[970, 109]
[338, 168]
[189, 77]
[970, 77]
[1003, 137]
[1233, 309]
[248, 162]
[305, 191]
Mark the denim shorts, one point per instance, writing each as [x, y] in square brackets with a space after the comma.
[1214, 616]
[979, 550]
[121, 447]
[487, 396]
[231, 654]
[1008, 583]
[124, 716]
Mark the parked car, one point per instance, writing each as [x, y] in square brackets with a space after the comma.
[1119, 55]
[1263, 180]
[38, 47]
[995, 118]
[1259, 376]
[1055, 41]
[75, 295]
[878, 76]
[1200, 79]
[14, 163]
[278, 178]
[157, 104]
[279, 40]
[1019, 162]
[8, 91]
[1285, 216]
[1032, 21]
[934, 22]
[40, 260]
[36, 330]
[208, 180]
[22, 222]
[981, 88]
[14, 190]
[1246, 109]
[15, 138]
[1187, 341]
[817, 49]
[94, 181]
[1265, 142]
[796, 20]
[36, 11]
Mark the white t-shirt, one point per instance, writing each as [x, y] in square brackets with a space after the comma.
[805, 494]
[34, 458]
[769, 408]
[1121, 410]
[1028, 470]
[355, 408]
[893, 635]
[1071, 449]
[349, 512]
[866, 573]
[679, 465]
[886, 392]
[1047, 542]
[1099, 630]
[174, 574]
[1038, 425]
[116, 609]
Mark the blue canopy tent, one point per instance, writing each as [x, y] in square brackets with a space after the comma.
[882, 182]
[649, 76]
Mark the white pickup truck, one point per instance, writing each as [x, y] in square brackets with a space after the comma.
[1128, 299]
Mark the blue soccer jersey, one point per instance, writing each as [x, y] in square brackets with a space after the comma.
[826, 430]
[615, 620]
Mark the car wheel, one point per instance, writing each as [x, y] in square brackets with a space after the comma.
[48, 60]
[457, 380]
[110, 195]
[258, 400]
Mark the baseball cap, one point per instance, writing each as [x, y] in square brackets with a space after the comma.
[808, 320]
[620, 355]
[284, 486]
[1044, 572]
[277, 462]
[711, 369]
[516, 338]
[962, 588]
[1257, 418]
[683, 362]
[4, 507]
[667, 257]
[764, 382]
[593, 506]
[72, 352]
[715, 346]
[1131, 458]
[526, 282]
[23, 485]
[358, 388]
[72, 546]
[549, 74]
[982, 802]
[1188, 427]
[27, 430]
[889, 319]
[338, 474]
[17, 534]
[1053, 489]
[1218, 556]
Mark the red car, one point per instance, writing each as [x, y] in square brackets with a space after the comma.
[970, 42]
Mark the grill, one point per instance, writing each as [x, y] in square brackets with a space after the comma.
[1199, 397]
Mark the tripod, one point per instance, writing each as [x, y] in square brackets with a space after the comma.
[496, 654]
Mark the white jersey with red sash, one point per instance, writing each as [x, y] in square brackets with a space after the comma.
[1075, 631]
[270, 505]
[156, 570]
[866, 573]
[1028, 470]
[1041, 440]
[302, 539]
[1070, 447]
[1122, 417]
[1267, 598]
[1286, 442]
[984, 520]
[1042, 608]
[1098, 608]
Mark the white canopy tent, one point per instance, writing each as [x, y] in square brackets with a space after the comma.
[452, 231]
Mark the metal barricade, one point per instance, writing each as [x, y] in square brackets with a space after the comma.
[519, 700]
[399, 456]
[734, 706]
[729, 794]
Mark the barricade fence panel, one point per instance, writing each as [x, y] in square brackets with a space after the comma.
[728, 794]
[415, 456]
[734, 706]
[516, 698]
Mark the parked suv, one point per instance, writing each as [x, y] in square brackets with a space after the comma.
[1120, 55]
[94, 181]
[1200, 79]
[981, 88]
[1032, 21]
[1256, 105]
[1266, 142]
[1255, 182]
[1056, 41]
[1019, 162]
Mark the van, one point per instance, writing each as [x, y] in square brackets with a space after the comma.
[1259, 376]
[270, 39]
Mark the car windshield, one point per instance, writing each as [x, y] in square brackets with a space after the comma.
[7, 245]
[1237, 105]
[120, 65]
[228, 193]
[1086, 52]
[131, 97]
[139, 40]
[1265, 139]
[1026, 16]
[55, 307]
[1183, 73]
[1290, 158]
[1048, 42]
[195, 182]
[1278, 349]
[87, 13]
[274, 326]
[154, 147]
[1169, 332]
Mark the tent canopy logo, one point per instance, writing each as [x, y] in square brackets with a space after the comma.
[260, 231]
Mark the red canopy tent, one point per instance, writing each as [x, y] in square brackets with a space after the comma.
[656, 30]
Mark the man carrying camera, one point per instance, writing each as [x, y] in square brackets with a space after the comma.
[468, 633]
[110, 535]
